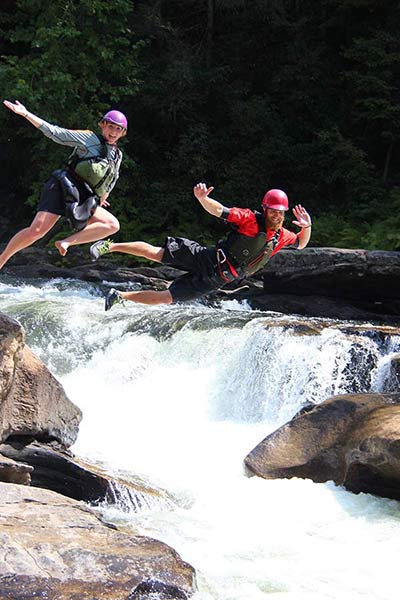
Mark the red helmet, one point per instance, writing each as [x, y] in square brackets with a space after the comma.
[275, 199]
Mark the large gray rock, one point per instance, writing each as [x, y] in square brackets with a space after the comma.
[331, 282]
[336, 272]
[57, 548]
[361, 276]
[32, 402]
[353, 440]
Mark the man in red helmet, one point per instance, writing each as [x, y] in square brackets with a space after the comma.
[255, 239]
[79, 192]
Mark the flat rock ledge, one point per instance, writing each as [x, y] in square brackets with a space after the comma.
[352, 439]
[318, 282]
[57, 548]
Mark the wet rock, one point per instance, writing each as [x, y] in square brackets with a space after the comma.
[353, 440]
[12, 340]
[32, 402]
[393, 382]
[157, 590]
[57, 548]
[55, 469]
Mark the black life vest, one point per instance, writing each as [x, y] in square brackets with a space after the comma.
[97, 171]
[77, 212]
[249, 254]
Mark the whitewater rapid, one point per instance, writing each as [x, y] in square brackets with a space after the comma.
[177, 396]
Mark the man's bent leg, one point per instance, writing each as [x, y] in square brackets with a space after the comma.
[41, 224]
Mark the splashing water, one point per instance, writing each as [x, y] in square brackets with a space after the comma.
[178, 396]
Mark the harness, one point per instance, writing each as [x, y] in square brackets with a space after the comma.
[241, 255]
[97, 171]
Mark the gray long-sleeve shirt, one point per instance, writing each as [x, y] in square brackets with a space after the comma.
[86, 144]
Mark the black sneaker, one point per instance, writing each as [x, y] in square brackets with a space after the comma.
[112, 297]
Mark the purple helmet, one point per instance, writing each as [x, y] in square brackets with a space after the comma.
[114, 116]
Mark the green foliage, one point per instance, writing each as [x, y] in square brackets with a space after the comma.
[63, 60]
[242, 95]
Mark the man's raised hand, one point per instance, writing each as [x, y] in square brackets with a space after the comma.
[303, 219]
[201, 191]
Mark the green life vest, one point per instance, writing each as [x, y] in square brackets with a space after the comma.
[98, 171]
[249, 254]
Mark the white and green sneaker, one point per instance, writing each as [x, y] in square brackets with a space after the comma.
[112, 297]
[99, 249]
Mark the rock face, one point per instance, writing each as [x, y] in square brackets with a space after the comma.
[331, 282]
[57, 548]
[32, 401]
[353, 440]
[334, 272]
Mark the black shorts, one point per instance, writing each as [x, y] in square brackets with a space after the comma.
[52, 198]
[201, 264]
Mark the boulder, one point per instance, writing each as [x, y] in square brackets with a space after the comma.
[32, 402]
[57, 548]
[12, 340]
[362, 284]
[353, 440]
[336, 272]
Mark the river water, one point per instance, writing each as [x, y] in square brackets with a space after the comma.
[177, 396]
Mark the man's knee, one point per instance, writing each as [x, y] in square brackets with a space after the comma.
[36, 232]
[114, 225]
[163, 297]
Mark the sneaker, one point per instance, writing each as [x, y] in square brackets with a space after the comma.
[99, 249]
[112, 297]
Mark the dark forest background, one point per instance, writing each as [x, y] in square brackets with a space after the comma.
[245, 95]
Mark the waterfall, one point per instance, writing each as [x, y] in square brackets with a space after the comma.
[176, 396]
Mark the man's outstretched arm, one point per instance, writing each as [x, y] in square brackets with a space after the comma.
[20, 110]
[201, 192]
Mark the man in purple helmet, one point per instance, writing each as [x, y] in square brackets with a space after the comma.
[80, 191]
[255, 238]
